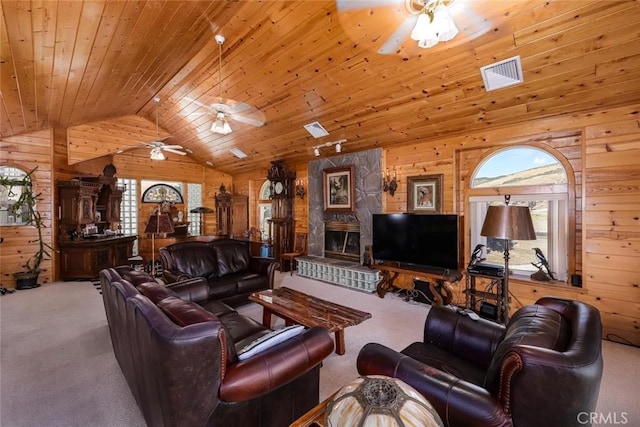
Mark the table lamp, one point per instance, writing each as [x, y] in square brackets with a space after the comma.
[377, 400]
[508, 223]
[159, 223]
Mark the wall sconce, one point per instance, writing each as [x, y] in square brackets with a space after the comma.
[300, 189]
[338, 145]
[389, 183]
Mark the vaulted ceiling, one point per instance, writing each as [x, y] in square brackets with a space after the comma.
[92, 65]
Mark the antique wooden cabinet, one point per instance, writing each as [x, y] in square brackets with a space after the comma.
[232, 214]
[84, 258]
[77, 204]
[89, 219]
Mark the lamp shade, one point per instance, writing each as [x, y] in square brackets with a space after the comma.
[380, 401]
[220, 125]
[508, 222]
[201, 210]
[159, 223]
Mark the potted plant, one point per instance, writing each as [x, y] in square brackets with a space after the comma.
[25, 208]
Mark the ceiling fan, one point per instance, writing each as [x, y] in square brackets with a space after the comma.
[409, 26]
[226, 108]
[157, 146]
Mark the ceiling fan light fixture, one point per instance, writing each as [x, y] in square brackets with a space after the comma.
[220, 125]
[424, 32]
[434, 24]
[444, 25]
[157, 154]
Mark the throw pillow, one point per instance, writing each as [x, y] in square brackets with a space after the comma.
[269, 340]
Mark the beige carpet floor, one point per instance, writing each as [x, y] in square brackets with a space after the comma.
[57, 367]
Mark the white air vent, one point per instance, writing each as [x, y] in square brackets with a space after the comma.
[502, 74]
[316, 130]
[238, 153]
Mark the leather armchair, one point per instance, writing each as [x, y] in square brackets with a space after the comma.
[543, 369]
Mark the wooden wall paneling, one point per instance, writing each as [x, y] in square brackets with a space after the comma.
[26, 152]
[301, 206]
[612, 226]
[618, 328]
[107, 137]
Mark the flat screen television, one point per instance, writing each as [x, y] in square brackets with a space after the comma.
[417, 241]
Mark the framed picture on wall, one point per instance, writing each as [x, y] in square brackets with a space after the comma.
[424, 194]
[338, 189]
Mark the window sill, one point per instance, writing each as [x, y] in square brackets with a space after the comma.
[552, 284]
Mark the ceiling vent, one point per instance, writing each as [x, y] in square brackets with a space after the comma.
[316, 130]
[238, 153]
[502, 74]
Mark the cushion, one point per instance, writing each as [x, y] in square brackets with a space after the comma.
[184, 313]
[267, 341]
[196, 259]
[232, 257]
[155, 291]
[535, 326]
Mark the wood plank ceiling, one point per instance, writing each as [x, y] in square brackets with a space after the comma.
[73, 63]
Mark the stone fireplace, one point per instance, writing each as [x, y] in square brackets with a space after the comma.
[345, 244]
[342, 240]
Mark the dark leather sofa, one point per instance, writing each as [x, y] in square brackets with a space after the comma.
[543, 369]
[227, 265]
[178, 352]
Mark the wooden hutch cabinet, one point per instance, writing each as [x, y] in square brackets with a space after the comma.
[77, 202]
[89, 215]
[232, 214]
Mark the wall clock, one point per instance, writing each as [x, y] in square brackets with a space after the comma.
[279, 188]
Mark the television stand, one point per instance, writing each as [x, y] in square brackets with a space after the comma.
[439, 284]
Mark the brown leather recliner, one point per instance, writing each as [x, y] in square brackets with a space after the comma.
[543, 369]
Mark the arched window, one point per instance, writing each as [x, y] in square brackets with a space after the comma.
[11, 185]
[531, 177]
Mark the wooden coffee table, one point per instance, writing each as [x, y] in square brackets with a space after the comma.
[297, 307]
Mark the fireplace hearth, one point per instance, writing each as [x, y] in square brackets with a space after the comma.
[342, 240]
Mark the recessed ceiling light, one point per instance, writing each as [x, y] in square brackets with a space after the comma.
[316, 130]
[238, 153]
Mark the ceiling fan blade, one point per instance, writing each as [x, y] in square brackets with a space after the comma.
[344, 5]
[470, 23]
[393, 43]
[171, 150]
[172, 147]
[240, 107]
[248, 120]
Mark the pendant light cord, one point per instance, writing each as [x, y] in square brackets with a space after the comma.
[220, 72]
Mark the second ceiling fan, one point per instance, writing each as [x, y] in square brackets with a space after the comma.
[226, 109]
[157, 146]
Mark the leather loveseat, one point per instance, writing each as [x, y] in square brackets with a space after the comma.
[180, 358]
[231, 272]
[543, 369]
